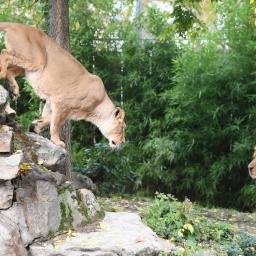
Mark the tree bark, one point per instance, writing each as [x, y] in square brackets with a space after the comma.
[58, 29]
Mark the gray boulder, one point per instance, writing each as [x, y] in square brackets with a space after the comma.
[10, 241]
[7, 114]
[119, 234]
[10, 166]
[80, 207]
[88, 199]
[80, 181]
[48, 154]
[3, 98]
[6, 135]
[38, 207]
[6, 194]
[17, 215]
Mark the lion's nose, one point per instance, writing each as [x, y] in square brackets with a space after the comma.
[250, 168]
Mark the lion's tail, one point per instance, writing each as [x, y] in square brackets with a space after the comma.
[6, 25]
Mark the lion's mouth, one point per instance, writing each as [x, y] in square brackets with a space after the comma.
[114, 145]
[251, 172]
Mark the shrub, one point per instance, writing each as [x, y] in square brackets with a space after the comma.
[175, 220]
[245, 244]
[182, 224]
[109, 170]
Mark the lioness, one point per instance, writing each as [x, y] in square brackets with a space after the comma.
[252, 165]
[69, 90]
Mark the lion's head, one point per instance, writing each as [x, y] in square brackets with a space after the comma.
[114, 128]
[252, 165]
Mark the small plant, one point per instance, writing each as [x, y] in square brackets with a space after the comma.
[245, 245]
[182, 224]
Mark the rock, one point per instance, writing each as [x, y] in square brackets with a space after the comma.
[77, 208]
[80, 181]
[60, 178]
[5, 139]
[10, 166]
[39, 197]
[10, 241]
[16, 214]
[10, 114]
[120, 233]
[3, 96]
[88, 199]
[2, 118]
[49, 155]
[6, 194]
[36, 203]
[7, 114]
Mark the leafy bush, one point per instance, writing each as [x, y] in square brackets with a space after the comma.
[176, 220]
[182, 224]
[109, 170]
[245, 245]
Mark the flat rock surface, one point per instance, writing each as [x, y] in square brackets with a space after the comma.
[5, 139]
[119, 233]
[10, 166]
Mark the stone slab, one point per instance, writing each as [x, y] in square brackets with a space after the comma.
[119, 234]
[5, 139]
[10, 166]
[6, 194]
[3, 96]
[10, 242]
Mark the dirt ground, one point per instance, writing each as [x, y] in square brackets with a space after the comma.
[240, 220]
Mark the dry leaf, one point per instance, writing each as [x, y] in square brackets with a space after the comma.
[139, 240]
[58, 240]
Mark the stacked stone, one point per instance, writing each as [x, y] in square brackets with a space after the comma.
[32, 190]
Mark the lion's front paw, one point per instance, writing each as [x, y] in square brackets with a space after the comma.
[34, 127]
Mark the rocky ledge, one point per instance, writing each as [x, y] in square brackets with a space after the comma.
[44, 213]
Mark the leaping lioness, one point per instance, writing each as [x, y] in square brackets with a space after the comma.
[69, 90]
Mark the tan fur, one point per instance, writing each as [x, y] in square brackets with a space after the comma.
[252, 165]
[69, 90]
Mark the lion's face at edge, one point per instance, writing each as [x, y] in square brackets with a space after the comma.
[252, 168]
[114, 129]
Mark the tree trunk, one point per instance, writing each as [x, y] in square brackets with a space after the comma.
[59, 30]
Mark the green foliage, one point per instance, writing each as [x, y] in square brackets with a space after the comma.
[110, 171]
[245, 244]
[190, 104]
[182, 224]
[197, 136]
[179, 221]
[21, 11]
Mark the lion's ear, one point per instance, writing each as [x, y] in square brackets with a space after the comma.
[119, 114]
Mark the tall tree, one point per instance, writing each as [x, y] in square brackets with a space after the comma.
[58, 29]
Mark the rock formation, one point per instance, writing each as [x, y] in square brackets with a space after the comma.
[38, 203]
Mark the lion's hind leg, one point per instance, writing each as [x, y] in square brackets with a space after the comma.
[8, 58]
[57, 120]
